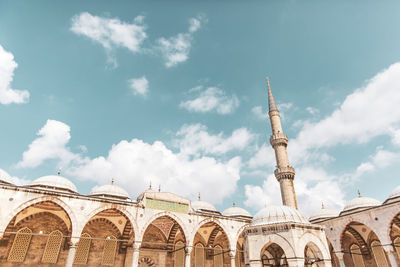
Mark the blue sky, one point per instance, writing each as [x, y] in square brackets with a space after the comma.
[174, 92]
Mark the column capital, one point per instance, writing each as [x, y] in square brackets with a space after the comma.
[136, 247]
[232, 253]
[188, 250]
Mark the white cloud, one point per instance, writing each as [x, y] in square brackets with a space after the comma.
[211, 99]
[257, 110]
[4, 176]
[135, 163]
[265, 156]
[312, 110]
[310, 184]
[51, 144]
[176, 49]
[110, 32]
[368, 112]
[139, 86]
[7, 67]
[195, 140]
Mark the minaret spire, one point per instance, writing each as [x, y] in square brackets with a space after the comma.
[284, 173]
[271, 101]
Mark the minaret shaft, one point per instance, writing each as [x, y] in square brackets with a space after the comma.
[284, 173]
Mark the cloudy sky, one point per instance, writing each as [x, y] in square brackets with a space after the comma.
[173, 92]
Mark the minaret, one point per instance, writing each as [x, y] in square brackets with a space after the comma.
[284, 173]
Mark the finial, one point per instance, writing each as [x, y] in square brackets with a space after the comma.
[233, 204]
[271, 101]
[198, 197]
[322, 206]
[358, 192]
[159, 188]
[59, 172]
[150, 185]
[112, 181]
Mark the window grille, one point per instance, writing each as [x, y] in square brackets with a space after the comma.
[110, 246]
[179, 257]
[52, 248]
[199, 255]
[20, 245]
[82, 252]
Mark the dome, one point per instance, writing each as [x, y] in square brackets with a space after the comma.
[146, 193]
[278, 214]
[395, 193]
[236, 212]
[5, 177]
[203, 205]
[361, 202]
[54, 182]
[110, 190]
[323, 213]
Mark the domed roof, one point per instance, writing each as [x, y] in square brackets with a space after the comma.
[395, 193]
[54, 182]
[323, 213]
[110, 190]
[5, 177]
[278, 214]
[236, 212]
[361, 202]
[203, 205]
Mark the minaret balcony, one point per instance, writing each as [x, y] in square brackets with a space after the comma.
[284, 173]
[278, 139]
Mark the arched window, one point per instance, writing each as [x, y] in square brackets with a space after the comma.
[82, 252]
[268, 259]
[110, 246]
[20, 245]
[179, 254]
[52, 248]
[199, 255]
[356, 256]
[218, 256]
[379, 254]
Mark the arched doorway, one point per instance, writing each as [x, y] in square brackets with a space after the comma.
[395, 235]
[273, 256]
[362, 247]
[312, 256]
[104, 240]
[39, 234]
[239, 257]
[164, 242]
[211, 246]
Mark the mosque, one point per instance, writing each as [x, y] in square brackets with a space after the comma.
[48, 223]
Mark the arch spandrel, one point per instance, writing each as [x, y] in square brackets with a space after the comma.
[67, 209]
[217, 222]
[159, 215]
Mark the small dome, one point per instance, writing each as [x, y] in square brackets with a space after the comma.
[361, 202]
[54, 182]
[323, 213]
[203, 205]
[110, 190]
[146, 193]
[5, 177]
[236, 212]
[395, 193]
[278, 214]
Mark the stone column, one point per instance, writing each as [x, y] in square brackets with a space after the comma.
[71, 254]
[232, 255]
[392, 258]
[188, 250]
[341, 259]
[135, 256]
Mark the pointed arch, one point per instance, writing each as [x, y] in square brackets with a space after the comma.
[179, 254]
[82, 252]
[20, 245]
[199, 255]
[53, 245]
[216, 222]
